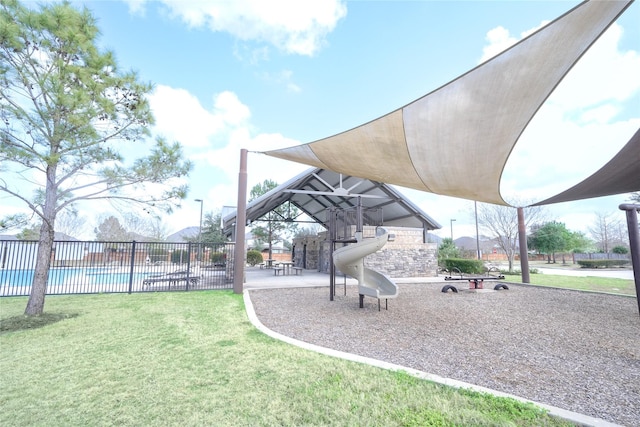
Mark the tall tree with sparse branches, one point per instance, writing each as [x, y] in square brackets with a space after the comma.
[608, 230]
[502, 223]
[279, 222]
[66, 111]
[212, 228]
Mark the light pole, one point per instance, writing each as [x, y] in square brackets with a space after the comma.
[452, 230]
[475, 205]
[200, 231]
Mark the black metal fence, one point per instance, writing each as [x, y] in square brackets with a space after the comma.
[117, 267]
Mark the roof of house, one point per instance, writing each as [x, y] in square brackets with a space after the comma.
[184, 235]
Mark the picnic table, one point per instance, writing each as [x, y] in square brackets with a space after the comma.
[285, 268]
[175, 278]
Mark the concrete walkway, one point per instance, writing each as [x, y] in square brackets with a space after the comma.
[560, 270]
[611, 273]
[257, 278]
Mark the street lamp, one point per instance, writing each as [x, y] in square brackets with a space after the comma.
[452, 229]
[475, 205]
[200, 231]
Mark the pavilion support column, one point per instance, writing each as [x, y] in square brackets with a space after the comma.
[241, 220]
[634, 243]
[524, 255]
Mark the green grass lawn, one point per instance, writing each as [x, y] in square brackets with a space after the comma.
[185, 359]
[588, 283]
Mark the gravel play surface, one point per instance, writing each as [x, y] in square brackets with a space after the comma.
[573, 350]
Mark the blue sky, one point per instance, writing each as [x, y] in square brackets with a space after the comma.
[263, 75]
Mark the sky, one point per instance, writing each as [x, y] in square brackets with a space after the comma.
[262, 75]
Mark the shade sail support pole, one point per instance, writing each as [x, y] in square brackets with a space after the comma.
[634, 243]
[241, 220]
[524, 256]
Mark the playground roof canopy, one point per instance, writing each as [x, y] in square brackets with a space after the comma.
[316, 190]
[456, 140]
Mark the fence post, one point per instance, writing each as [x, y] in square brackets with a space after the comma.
[133, 258]
[186, 288]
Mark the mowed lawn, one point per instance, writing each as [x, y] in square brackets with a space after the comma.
[584, 283]
[186, 359]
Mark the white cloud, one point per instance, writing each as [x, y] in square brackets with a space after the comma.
[232, 111]
[180, 116]
[136, 7]
[293, 26]
[212, 139]
[499, 39]
[282, 78]
[221, 132]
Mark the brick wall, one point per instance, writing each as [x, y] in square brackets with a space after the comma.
[405, 256]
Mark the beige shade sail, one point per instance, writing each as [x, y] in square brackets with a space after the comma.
[435, 143]
[620, 175]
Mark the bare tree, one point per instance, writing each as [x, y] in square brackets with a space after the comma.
[310, 230]
[71, 223]
[501, 222]
[608, 231]
[279, 223]
[158, 229]
[137, 225]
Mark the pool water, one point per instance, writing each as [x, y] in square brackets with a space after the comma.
[70, 276]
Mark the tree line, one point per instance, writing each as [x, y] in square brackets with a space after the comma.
[549, 237]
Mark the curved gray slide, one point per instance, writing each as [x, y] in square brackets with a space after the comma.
[350, 260]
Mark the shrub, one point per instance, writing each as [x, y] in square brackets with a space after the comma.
[620, 250]
[470, 266]
[602, 263]
[446, 250]
[254, 257]
[218, 257]
[157, 255]
[180, 256]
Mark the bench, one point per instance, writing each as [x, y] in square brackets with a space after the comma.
[278, 270]
[298, 270]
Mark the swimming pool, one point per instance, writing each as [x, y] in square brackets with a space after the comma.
[72, 280]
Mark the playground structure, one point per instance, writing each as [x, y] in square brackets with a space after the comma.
[346, 226]
[476, 282]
